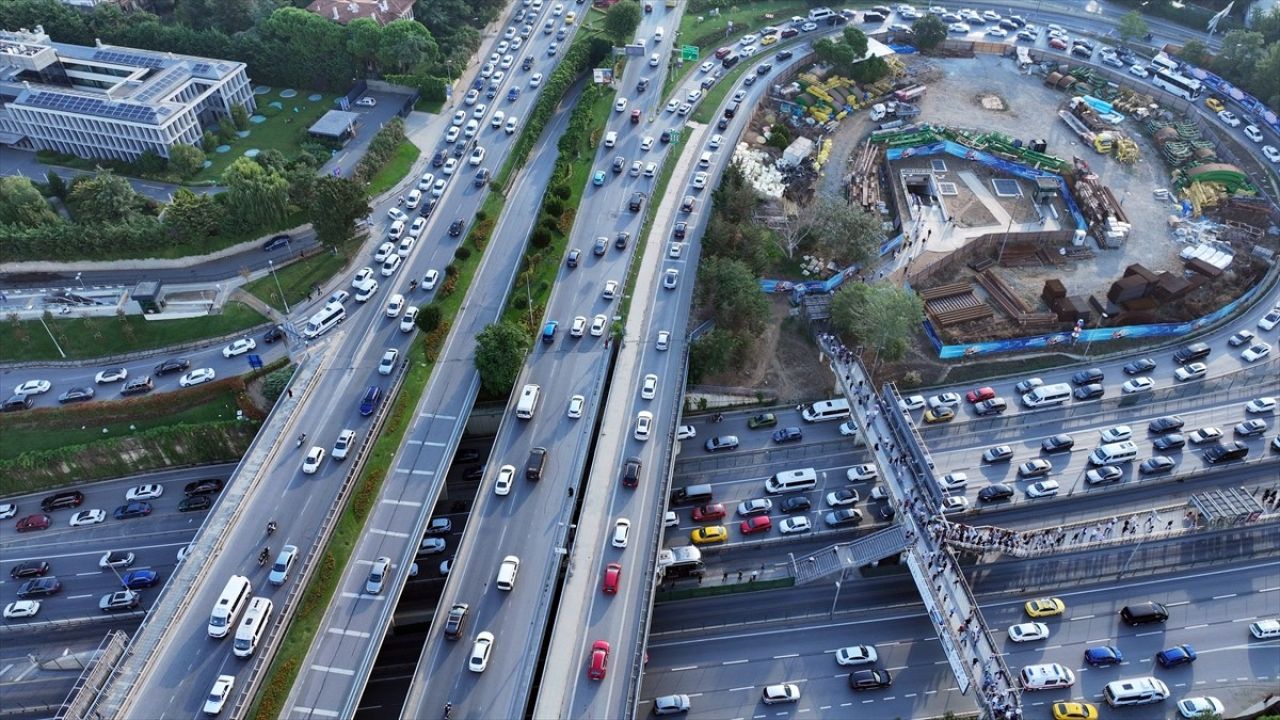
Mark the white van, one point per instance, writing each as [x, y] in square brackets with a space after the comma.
[792, 481]
[396, 230]
[1265, 629]
[1047, 677]
[1046, 395]
[705, 160]
[824, 410]
[528, 403]
[658, 33]
[1112, 453]
[232, 600]
[250, 630]
[820, 13]
[611, 138]
[1138, 691]
[507, 572]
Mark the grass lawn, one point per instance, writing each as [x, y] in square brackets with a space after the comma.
[710, 102]
[659, 191]
[395, 169]
[83, 339]
[710, 33]
[285, 128]
[297, 278]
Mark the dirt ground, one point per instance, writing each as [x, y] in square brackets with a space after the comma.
[784, 361]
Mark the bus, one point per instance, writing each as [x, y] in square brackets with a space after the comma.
[329, 317]
[1163, 62]
[1180, 85]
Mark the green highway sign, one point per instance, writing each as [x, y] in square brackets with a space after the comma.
[689, 52]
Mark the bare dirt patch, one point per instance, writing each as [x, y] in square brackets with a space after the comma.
[784, 361]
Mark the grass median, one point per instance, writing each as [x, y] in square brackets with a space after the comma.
[300, 277]
[397, 167]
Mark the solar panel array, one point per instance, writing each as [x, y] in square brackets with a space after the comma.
[84, 105]
[162, 83]
[125, 58]
[201, 68]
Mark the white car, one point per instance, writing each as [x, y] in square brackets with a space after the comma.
[114, 559]
[1204, 435]
[394, 305]
[8, 510]
[498, 118]
[1200, 707]
[748, 39]
[432, 546]
[506, 475]
[953, 481]
[773, 694]
[699, 180]
[1272, 153]
[377, 575]
[1138, 71]
[480, 650]
[675, 250]
[1044, 488]
[856, 655]
[363, 276]
[848, 428]
[513, 122]
[407, 242]
[342, 447]
[409, 321]
[620, 104]
[1137, 385]
[598, 324]
[88, 517]
[450, 166]
[706, 67]
[649, 387]
[1023, 632]
[388, 362]
[860, 473]
[646, 143]
[384, 251]
[110, 376]
[794, 525]
[1117, 434]
[535, 80]
[578, 327]
[948, 399]
[21, 609]
[391, 265]
[664, 340]
[1228, 118]
[686, 432]
[368, 290]
[397, 214]
[219, 694]
[644, 425]
[452, 134]
[672, 105]
[1256, 352]
[576, 403]
[198, 376]
[477, 156]
[1261, 406]
[33, 387]
[239, 347]
[610, 290]
[954, 504]
[911, 403]
[426, 181]
[479, 111]
[150, 491]
[670, 278]
[997, 32]
[1191, 371]
[1270, 320]
[311, 464]
[715, 142]
[1253, 133]
[430, 279]
[621, 532]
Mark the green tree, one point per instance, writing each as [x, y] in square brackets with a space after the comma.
[1266, 83]
[1241, 50]
[621, 21]
[870, 70]
[239, 117]
[364, 36]
[339, 202]
[429, 317]
[103, 198]
[734, 293]
[56, 186]
[1267, 23]
[1196, 53]
[1132, 26]
[22, 204]
[500, 351]
[779, 136]
[929, 32]
[856, 40]
[186, 160]
[254, 195]
[405, 45]
[193, 216]
[712, 354]
[881, 317]
[837, 54]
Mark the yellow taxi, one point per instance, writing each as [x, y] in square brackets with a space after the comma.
[569, 17]
[709, 535]
[1045, 607]
[1074, 711]
[1214, 104]
[768, 40]
[939, 414]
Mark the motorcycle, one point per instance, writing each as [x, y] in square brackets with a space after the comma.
[271, 527]
[262, 556]
[448, 708]
[301, 439]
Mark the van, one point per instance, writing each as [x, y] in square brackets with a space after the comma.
[705, 159]
[1047, 677]
[1112, 453]
[537, 462]
[730, 60]
[1144, 613]
[227, 609]
[17, 402]
[1265, 629]
[396, 230]
[691, 495]
[507, 572]
[610, 138]
[658, 33]
[1047, 395]
[732, 110]
[824, 410]
[820, 13]
[1138, 691]
[872, 16]
[528, 403]
[1219, 454]
[792, 481]
[1191, 353]
[250, 630]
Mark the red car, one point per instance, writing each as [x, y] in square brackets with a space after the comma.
[599, 660]
[33, 522]
[980, 394]
[708, 512]
[1057, 43]
[611, 573]
[635, 116]
[721, 52]
[759, 523]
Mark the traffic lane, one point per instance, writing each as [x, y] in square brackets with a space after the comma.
[84, 580]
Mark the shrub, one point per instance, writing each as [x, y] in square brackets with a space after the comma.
[541, 237]
[451, 270]
[462, 253]
[429, 317]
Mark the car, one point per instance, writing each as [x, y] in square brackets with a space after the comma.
[631, 472]
[388, 362]
[1271, 153]
[663, 342]
[954, 504]
[1057, 443]
[842, 497]
[856, 655]
[1138, 385]
[1037, 467]
[1044, 488]
[754, 525]
[219, 694]
[670, 705]
[794, 525]
[239, 347]
[1169, 442]
[1256, 352]
[762, 420]
[1116, 434]
[1139, 366]
[39, 587]
[377, 575]
[991, 406]
[1045, 607]
[610, 290]
[998, 454]
[1214, 103]
[1074, 711]
[1085, 377]
[578, 327]
[480, 649]
[721, 443]
[939, 415]
[863, 472]
[409, 320]
[279, 574]
[977, 395]
[599, 663]
[1156, 465]
[911, 403]
[843, 517]
[1165, 424]
[644, 425]
[1262, 405]
[1271, 319]
[1251, 428]
[1192, 371]
[707, 513]
[995, 492]
[199, 376]
[21, 609]
[396, 214]
[502, 484]
[787, 434]
[1138, 71]
[1057, 43]
[116, 559]
[870, 679]
[88, 517]
[670, 278]
[951, 481]
[1200, 707]
[598, 324]
[1090, 391]
[149, 491]
[110, 376]
[848, 428]
[1228, 118]
[195, 503]
[795, 503]
[773, 694]
[948, 399]
[709, 535]
[1025, 632]
[172, 366]
[137, 508]
[1103, 656]
[315, 456]
[1240, 337]
[1204, 435]
[76, 394]
[120, 600]
[1103, 475]
[390, 266]
[755, 506]
[29, 569]
[455, 620]
[1176, 655]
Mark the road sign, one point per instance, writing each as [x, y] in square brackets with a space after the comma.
[689, 52]
[255, 361]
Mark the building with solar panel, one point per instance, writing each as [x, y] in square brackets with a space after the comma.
[110, 102]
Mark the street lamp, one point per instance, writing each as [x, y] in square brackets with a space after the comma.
[1095, 327]
[78, 276]
[283, 299]
[835, 599]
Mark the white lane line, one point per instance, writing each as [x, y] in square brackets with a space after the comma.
[734, 662]
[1176, 604]
[435, 444]
[1248, 619]
[1085, 617]
[392, 533]
[6, 669]
[88, 573]
[747, 687]
[314, 711]
[1270, 589]
[1196, 627]
[442, 417]
[77, 597]
[687, 667]
[334, 670]
[410, 503]
[348, 633]
[362, 596]
[1147, 634]
[423, 472]
[1224, 597]
[1099, 640]
[783, 657]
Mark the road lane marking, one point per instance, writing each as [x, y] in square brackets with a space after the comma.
[348, 633]
[688, 667]
[88, 573]
[1196, 627]
[1224, 597]
[1248, 619]
[362, 596]
[434, 444]
[77, 597]
[315, 711]
[442, 417]
[1176, 604]
[783, 657]
[1099, 640]
[1084, 617]
[391, 533]
[420, 472]
[6, 669]
[1156, 632]
[747, 687]
[409, 503]
[334, 670]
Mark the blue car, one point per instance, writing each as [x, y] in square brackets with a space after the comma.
[787, 434]
[138, 579]
[549, 331]
[369, 401]
[136, 508]
[1176, 655]
[1103, 655]
[512, 94]
[598, 178]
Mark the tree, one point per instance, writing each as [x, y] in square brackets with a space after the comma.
[856, 40]
[56, 186]
[621, 21]
[1196, 53]
[835, 229]
[1266, 84]
[239, 117]
[103, 198]
[186, 160]
[339, 202]
[870, 70]
[1241, 50]
[405, 45]
[1132, 26]
[193, 216]
[500, 351]
[929, 32]
[837, 54]
[881, 317]
[429, 317]
[734, 294]
[254, 195]
[22, 204]
[711, 354]
[363, 38]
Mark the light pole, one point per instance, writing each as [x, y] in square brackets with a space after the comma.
[835, 599]
[79, 280]
[283, 299]
[1095, 327]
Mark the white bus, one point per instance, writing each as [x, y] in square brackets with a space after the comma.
[232, 600]
[1164, 62]
[250, 630]
[329, 317]
[528, 403]
[1180, 85]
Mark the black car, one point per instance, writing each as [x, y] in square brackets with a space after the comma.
[133, 509]
[62, 501]
[722, 124]
[438, 159]
[631, 472]
[1090, 391]
[887, 512]
[665, 136]
[274, 334]
[1166, 424]
[787, 434]
[173, 366]
[1085, 377]
[455, 229]
[1170, 442]
[456, 619]
[619, 163]
[680, 230]
[601, 246]
[1156, 464]
[195, 503]
[992, 493]
[207, 486]
[869, 679]
[39, 587]
[29, 569]
[1057, 444]
[574, 256]
[784, 55]
[482, 177]
[764, 68]
[637, 201]
[1139, 366]
[79, 394]
[427, 206]
[277, 242]
[992, 406]
[796, 503]
[620, 241]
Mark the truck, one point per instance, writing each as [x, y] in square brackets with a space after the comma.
[908, 94]
[680, 561]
